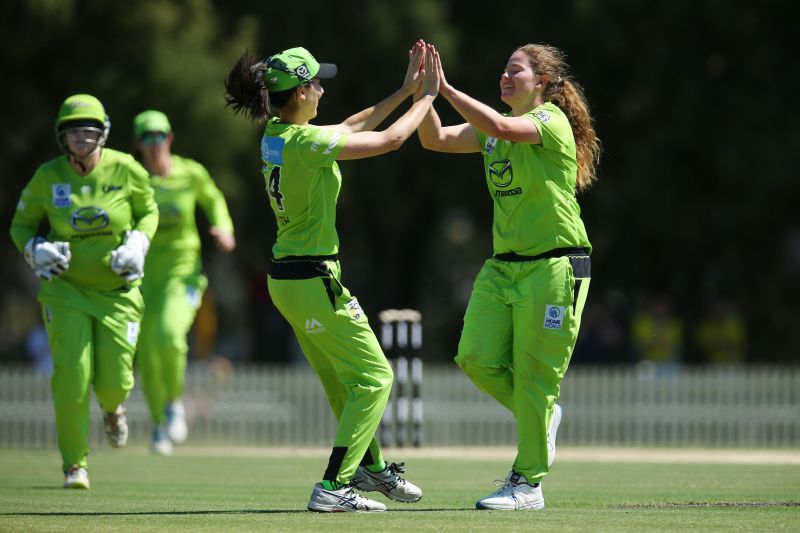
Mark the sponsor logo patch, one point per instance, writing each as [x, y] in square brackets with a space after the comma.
[553, 316]
[491, 142]
[354, 309]
[509, 192]
[61, 195]
[133, 333]
[303, 72]
[89, 219]
[193, 297]
[500, 173]
[544, 116]
[272, 149]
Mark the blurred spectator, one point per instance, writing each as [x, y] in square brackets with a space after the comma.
[657, 335]
[37, 349]
[721, 336]
[206, 326]
[274, 340]
[601, 340]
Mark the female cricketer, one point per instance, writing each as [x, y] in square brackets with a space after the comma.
[174, 283]
[101, 212]
[523, 316]
[303, 182]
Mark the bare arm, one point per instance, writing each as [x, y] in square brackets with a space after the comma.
[368, 119]
[460, 139]
[370, 143]
[486, 119]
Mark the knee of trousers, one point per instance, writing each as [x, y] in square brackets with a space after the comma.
[111, 396]
[380, 380]
[470, 363]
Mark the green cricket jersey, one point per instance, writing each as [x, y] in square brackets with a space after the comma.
[533, 188]
[90, 212]
[303, 182]
[188, 184]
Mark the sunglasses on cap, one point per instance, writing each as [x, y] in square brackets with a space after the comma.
[301, 72]
[151, 138]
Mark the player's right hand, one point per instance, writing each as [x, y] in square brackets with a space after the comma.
[47, 259]
[128, 259]
[433, 72]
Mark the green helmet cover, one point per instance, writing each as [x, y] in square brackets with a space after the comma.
[150, 121]
[81, 107]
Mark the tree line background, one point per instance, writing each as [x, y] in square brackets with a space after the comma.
[695, 208]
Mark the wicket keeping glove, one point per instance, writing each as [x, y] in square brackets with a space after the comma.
[47, 259]
[128, 259]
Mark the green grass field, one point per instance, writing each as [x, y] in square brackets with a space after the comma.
[226, 491]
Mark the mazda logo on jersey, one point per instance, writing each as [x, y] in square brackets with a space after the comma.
[500, 173]
[89, 219]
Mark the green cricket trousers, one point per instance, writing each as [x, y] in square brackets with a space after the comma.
[173, 288]
[335, 337]
[93, 339]
[520, 328]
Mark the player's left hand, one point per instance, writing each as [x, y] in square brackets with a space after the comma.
[128, 259]
[416, 56]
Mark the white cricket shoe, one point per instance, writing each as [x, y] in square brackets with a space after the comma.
[160, 443]
[344, 500]
[388, 483]
[514, 494]
[116, 426]
[76, 478]
[177, 430]
[551, 435]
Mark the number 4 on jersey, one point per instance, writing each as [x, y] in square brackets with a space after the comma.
[274, 187]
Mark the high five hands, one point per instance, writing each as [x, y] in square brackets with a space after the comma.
[424, 74]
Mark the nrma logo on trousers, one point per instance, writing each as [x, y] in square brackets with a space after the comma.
[553, 316]
[89, 219]
[500, 173]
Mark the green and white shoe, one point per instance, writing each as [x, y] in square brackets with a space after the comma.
[160, 443]
[116, 426]
[176, 422]
[76, 478]
[388, 483]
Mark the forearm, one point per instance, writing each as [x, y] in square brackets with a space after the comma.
[479, 115]
[405, 126]
[370, 118]
[429, 130]
[21, 234]
[218, 215]
[147, 224]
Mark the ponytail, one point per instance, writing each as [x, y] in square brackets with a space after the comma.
[245, 91]
[564, 92]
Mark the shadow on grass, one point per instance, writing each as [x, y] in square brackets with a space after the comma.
[692, 505]
[155, 513]
[220, 512]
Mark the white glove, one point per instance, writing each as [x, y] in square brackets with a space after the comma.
[47, 259]
[128, 259]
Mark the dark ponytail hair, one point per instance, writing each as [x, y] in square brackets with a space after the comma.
[246, 93]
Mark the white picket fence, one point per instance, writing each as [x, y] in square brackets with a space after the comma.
[279, 406]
